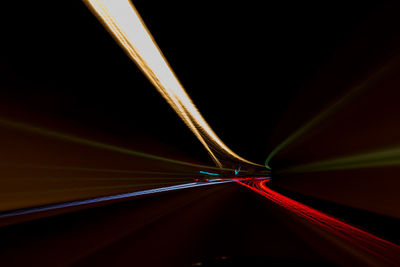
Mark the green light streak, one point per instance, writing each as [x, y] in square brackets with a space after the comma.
[325, 114]
[55, 167]
[378, 158]
[83, 141]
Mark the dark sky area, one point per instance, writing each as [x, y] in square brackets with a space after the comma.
[245, 65]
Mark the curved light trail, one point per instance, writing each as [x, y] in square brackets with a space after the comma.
[380, 248]
[124, 23]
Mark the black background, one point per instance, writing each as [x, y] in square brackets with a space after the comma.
[257, 71]
[243, 64]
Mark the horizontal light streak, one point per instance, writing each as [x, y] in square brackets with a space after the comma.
[208, 173]
[377, 158]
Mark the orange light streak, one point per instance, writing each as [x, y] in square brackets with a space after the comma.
[124, 23]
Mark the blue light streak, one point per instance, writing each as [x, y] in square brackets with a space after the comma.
[209, 173]
[107, 198]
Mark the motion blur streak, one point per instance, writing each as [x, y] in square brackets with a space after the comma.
[83, 141]
[108, 198]
[378, 158]
[125, 24]
[93, 188]
[102, 170]
[324, 114]
[367, 242]
[208, 173]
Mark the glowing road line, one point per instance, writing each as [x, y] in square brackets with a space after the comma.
[208, 173]
[124, 23]
[107, 198]
[374, 245]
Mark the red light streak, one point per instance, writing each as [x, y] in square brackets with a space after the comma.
[367, 242]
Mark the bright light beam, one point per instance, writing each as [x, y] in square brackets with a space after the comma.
[124, 23]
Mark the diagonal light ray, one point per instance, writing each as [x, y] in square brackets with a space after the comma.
[83, 141]
[326, 113]
[97, 170]
[106, 198]
[124, 23]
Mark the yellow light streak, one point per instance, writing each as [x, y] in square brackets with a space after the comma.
[124, 23]
[329, 111]
[87, 142]
[372, 159]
